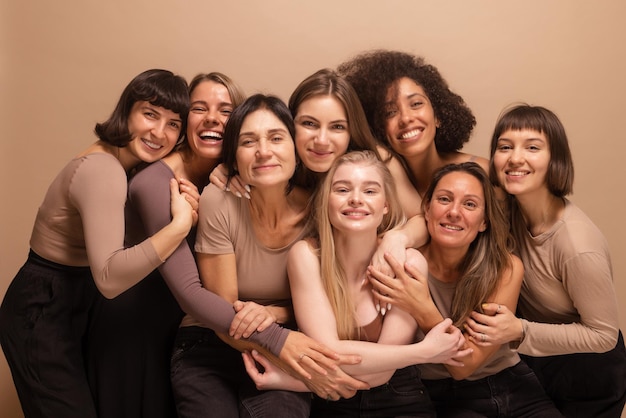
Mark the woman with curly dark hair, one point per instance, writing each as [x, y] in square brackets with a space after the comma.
[411, 109]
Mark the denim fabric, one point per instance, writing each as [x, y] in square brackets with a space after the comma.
[585, 384]
[43, 320]
[209, 379]
[403, 396]
[513, 392]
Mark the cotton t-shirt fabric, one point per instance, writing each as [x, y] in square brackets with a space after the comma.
[567, 299]
[81, 223]
[442, 293]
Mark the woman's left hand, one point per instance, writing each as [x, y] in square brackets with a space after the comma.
[407, 290]
[496, 326]
[391, 243]
[250, 317]
[191, 194]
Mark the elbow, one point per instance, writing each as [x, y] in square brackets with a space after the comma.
[608, 342]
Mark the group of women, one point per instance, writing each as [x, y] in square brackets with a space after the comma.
[336, 256]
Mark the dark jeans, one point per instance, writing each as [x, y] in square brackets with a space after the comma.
[585, 384]
[43, 320]
[209, 379]
[513, 392]
[403, 396]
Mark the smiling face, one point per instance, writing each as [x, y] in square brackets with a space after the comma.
[211, 107]
[410, 122]
[357, 200]
[521, 161]
[265, 152]
[456, 213]
[322, 132]
[154, 131]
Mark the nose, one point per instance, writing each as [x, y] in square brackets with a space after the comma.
[263, 149]
[516, 156]
[406, 116]
[158, 130]
[322, 137]
[355, 198]
[211, 117]
[453, 211]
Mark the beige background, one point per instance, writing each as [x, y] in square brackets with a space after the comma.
[64, 64]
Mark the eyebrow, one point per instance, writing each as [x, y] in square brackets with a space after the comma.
[367, 183]
[220, 104]
[269, 131]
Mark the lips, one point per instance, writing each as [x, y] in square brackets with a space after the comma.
[151, 145]
[451, 227]
[210, 136]
[412, 134]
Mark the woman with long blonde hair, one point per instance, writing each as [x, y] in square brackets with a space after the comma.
[334, 303]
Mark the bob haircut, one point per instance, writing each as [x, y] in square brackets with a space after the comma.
[231, 133]
[327, 83]
[560, 175]
[158, 87]
[373, 73]
[489, 253]
[235, 92]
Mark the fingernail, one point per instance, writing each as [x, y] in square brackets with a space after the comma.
[378, 307]
[247, 195]
[484, 305]
[388, 306]
[227, 189]
[247, 187]
[238, 194]
[383, 311]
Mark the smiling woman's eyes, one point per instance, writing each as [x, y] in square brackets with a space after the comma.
[443, 199]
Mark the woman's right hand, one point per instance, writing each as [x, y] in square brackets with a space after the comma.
[446, 342]
[318, 367]
[219, 177]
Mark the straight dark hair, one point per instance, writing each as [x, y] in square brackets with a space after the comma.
[231, 133]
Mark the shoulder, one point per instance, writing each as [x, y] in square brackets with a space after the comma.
[154, 172]
[304, 248]
[514, 273]
[417, 259]
[97, 171]
[462, 157]
[578, 233]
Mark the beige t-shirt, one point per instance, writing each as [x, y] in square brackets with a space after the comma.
[225, 227]
[567, 300]
[81, 223]
[442, 294]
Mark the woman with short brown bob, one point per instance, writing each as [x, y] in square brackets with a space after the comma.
[568, 331]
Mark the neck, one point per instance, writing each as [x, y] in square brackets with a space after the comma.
[540, 210]
[423, 166]
[191, 166]
[444, 263]
[355, 250]
[270, 204]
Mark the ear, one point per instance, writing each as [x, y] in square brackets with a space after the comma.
[426, 210]
[483, 226]
[386, 208]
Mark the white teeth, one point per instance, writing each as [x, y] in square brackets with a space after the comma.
[151, 144]
[453, 227]
[210, 134]
[410, 134]
[516, 173]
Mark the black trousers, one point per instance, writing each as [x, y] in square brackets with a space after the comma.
[43, 320]
[585, 384]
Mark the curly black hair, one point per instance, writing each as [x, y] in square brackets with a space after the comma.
[372, 73]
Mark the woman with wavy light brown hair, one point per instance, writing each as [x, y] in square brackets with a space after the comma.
[469, 263]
